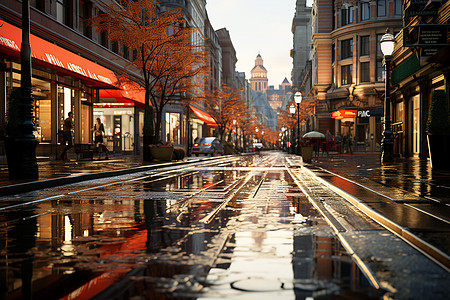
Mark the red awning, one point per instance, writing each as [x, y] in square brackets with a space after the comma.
[50, 55]
[205, 117]
[125, 95]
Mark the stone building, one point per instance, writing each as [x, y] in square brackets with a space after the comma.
[258, 77]
[349, 95]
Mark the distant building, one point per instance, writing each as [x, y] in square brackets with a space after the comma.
[258, 77]
[277, 98]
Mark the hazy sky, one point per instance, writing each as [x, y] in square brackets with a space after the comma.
[257, 26]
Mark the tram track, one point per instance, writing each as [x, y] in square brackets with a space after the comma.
[379, 214]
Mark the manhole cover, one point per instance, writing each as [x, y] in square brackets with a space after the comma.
[256, 285]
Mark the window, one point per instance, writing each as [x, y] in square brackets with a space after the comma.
[38, 4]
[379, 56]
[126, 52]
[365, 11]
[62, 11]
[115, 47]
[346, 48]
[346, 74]
[364, 46]
[365, 72]
[333, 52]
[346, 16]
[398, 7]
[85, 7]
[381, 8]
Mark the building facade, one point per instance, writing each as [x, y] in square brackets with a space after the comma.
[73, 67]
[301, 50]
[420, 65]
[349, 95]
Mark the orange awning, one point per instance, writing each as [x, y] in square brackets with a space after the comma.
[49, 55]
[205, 117]
[125, 95]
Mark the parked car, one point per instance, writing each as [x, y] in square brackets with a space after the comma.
[208, 146]
[255, 147]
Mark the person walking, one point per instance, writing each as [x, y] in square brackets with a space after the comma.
[99, 131]
[350, 143]
[67, 135]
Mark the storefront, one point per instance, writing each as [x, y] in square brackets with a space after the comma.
[61, 82]
[202, 123]
[364, 125]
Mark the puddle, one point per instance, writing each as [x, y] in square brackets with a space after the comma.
[147, 239]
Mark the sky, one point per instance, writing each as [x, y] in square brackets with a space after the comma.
[257, 26]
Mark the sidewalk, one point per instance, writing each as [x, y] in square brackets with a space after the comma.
[412, 175]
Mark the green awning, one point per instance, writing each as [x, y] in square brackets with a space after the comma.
[405, 69]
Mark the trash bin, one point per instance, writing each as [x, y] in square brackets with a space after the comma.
[307, 153]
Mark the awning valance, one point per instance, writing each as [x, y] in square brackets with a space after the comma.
[205, 117]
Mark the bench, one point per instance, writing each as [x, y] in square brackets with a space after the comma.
[87, 151]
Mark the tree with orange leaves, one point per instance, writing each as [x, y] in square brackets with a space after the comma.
[224, 105]
[162, 53]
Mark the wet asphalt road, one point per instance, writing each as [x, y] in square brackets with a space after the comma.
[242, 228]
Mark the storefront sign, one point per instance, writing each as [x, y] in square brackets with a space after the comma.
[341, 114]
[369, 113]
[113, 105]
[11, 37]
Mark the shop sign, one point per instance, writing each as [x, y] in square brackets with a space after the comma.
[113, 105]
[11, 37]
[369, 113]
[341, 114]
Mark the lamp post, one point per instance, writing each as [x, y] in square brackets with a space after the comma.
[387, 144]
[298, 100]
[292, 111]
[22, 163]
[283, 136]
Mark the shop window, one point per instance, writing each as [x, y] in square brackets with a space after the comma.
[365, 72]
[365, 11]
[381, 8]
[42, 110]
[346, 74]
[364, 45]
[63, 11]
[173, 128]
[346, 48]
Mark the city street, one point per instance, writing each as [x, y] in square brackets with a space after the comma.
[234, 227]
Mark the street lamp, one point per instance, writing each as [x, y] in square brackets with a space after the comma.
[387, 144]
[298, 99]
[283, 129]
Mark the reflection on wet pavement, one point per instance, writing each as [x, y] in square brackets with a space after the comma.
[150, 238]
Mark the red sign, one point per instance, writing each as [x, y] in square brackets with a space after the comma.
[11, 37]
[113, 105]
[340, 114]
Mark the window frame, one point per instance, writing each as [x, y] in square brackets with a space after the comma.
[349, 53]
[348, 78]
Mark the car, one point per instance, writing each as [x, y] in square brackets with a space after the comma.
[208, 146]
[255, 147]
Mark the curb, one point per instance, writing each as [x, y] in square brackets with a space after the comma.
[49, 183]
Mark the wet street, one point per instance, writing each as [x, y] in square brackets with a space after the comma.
[250, 227]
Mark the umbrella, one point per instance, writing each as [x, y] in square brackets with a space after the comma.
[314, 134]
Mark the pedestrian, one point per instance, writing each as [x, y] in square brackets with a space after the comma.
[350, 143]
[67, 135]
[99, 131]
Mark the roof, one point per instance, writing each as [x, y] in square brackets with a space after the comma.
[285, 80]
